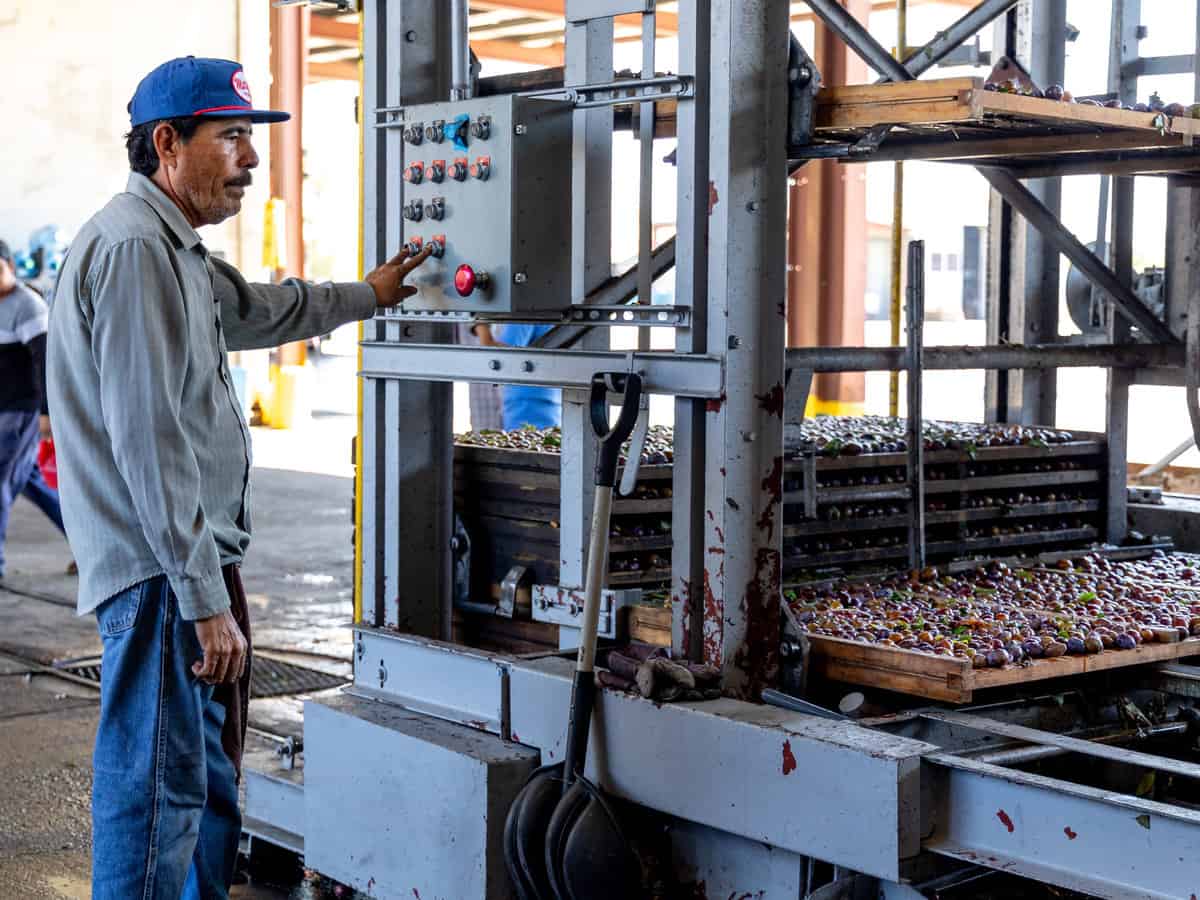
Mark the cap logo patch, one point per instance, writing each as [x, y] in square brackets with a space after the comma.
[241, 86]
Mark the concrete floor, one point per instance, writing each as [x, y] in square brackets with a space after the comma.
[299, 581]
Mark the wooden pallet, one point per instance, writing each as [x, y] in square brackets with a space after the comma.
[955, 119]
[954, 680]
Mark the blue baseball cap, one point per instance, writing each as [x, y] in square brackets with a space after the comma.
[195, 86]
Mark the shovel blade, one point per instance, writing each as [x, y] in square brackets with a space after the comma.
[525, 832]
[588, 855]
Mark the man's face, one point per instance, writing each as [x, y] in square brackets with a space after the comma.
[8, 276]
[210, 173]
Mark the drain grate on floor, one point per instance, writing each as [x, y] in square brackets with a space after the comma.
[270, 677]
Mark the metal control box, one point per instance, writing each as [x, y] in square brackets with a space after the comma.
[489, 180]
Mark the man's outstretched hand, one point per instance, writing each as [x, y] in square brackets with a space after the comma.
[388, 279]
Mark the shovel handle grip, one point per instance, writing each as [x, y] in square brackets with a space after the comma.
[583, 699]
[611, 437]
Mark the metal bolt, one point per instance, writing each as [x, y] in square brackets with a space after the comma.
[520, 129]
[749, 436]
[361, 648]
[1142, 32]
[734, 342]
[520, 278]
[410, 36]
[753, 206]
[409, 331]
[494, 365]
[527, 365]
[383, 675]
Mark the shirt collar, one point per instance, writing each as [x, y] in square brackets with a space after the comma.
[141, 186]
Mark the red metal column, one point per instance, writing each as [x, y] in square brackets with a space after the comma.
[827, 249]
[289, 74]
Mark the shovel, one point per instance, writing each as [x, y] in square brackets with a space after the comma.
[562, 840]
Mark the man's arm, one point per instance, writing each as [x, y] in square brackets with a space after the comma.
[139, 328]
[267, 315]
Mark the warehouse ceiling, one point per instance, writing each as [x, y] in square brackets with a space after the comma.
[521, 31]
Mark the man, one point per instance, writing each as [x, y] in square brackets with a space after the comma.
[154, 464]
[22, 397]
[523, 404]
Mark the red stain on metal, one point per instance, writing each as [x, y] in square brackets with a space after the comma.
[758, 657]
[417, 894]
[685, 617]
[714, 405]
[722, 471]
[789, 758]
[713, 625]
[772, 486]
[1007, 822]
[711, 517]
[720, 533]
[772, 401]
[717, 550]
[713, 197]
[1071, 835]
[516, 738]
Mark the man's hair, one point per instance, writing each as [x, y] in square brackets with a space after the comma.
[143, 158]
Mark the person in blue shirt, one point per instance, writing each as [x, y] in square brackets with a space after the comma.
[523, 404]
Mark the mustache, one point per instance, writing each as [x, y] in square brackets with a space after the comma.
[241, 181]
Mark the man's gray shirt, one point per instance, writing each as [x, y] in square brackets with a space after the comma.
[153, 451]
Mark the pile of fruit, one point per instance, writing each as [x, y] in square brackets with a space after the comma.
[858, 435]
[998, 616]
[1057, 92]
[829, 435]
[657, 451]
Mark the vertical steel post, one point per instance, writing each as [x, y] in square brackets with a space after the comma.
[589, 58]
[744, 465]
[407, 453]
[916, 437]
[646, 179]
[1036, 37]
[691, 289]
[1126, 17]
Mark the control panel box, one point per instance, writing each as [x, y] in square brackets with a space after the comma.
[488, 182]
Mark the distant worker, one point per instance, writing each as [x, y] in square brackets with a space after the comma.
[154, 458]
[523, 404]
[23, 414]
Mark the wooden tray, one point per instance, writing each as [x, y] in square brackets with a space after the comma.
[955, 680]
[955, 119]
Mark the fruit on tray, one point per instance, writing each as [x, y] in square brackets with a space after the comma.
[828, 435]
[657, 450]
[998, 616]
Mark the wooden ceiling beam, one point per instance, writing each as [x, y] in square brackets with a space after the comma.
[666, 23]
[511, 51]
[340, 70]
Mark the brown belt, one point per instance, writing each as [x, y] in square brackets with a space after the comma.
[236, 697]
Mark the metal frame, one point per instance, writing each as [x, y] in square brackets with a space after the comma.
[733, 386]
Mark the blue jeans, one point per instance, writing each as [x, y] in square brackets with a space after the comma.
[19, 472]
[165, 817]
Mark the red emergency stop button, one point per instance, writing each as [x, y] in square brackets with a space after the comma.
[467, 280]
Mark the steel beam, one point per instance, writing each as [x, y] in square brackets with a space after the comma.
[746, 289]
[1066, 243]
[1041, 356]
[914, 354]
[663, 372]
[691, 289]
[945, 42]
[855, 35]
[1077, 837]
[407, 450]
[1183, 64]
[617, 290]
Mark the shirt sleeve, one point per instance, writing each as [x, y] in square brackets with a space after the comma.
[37, 347]
[139, 324]
[267, 315]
